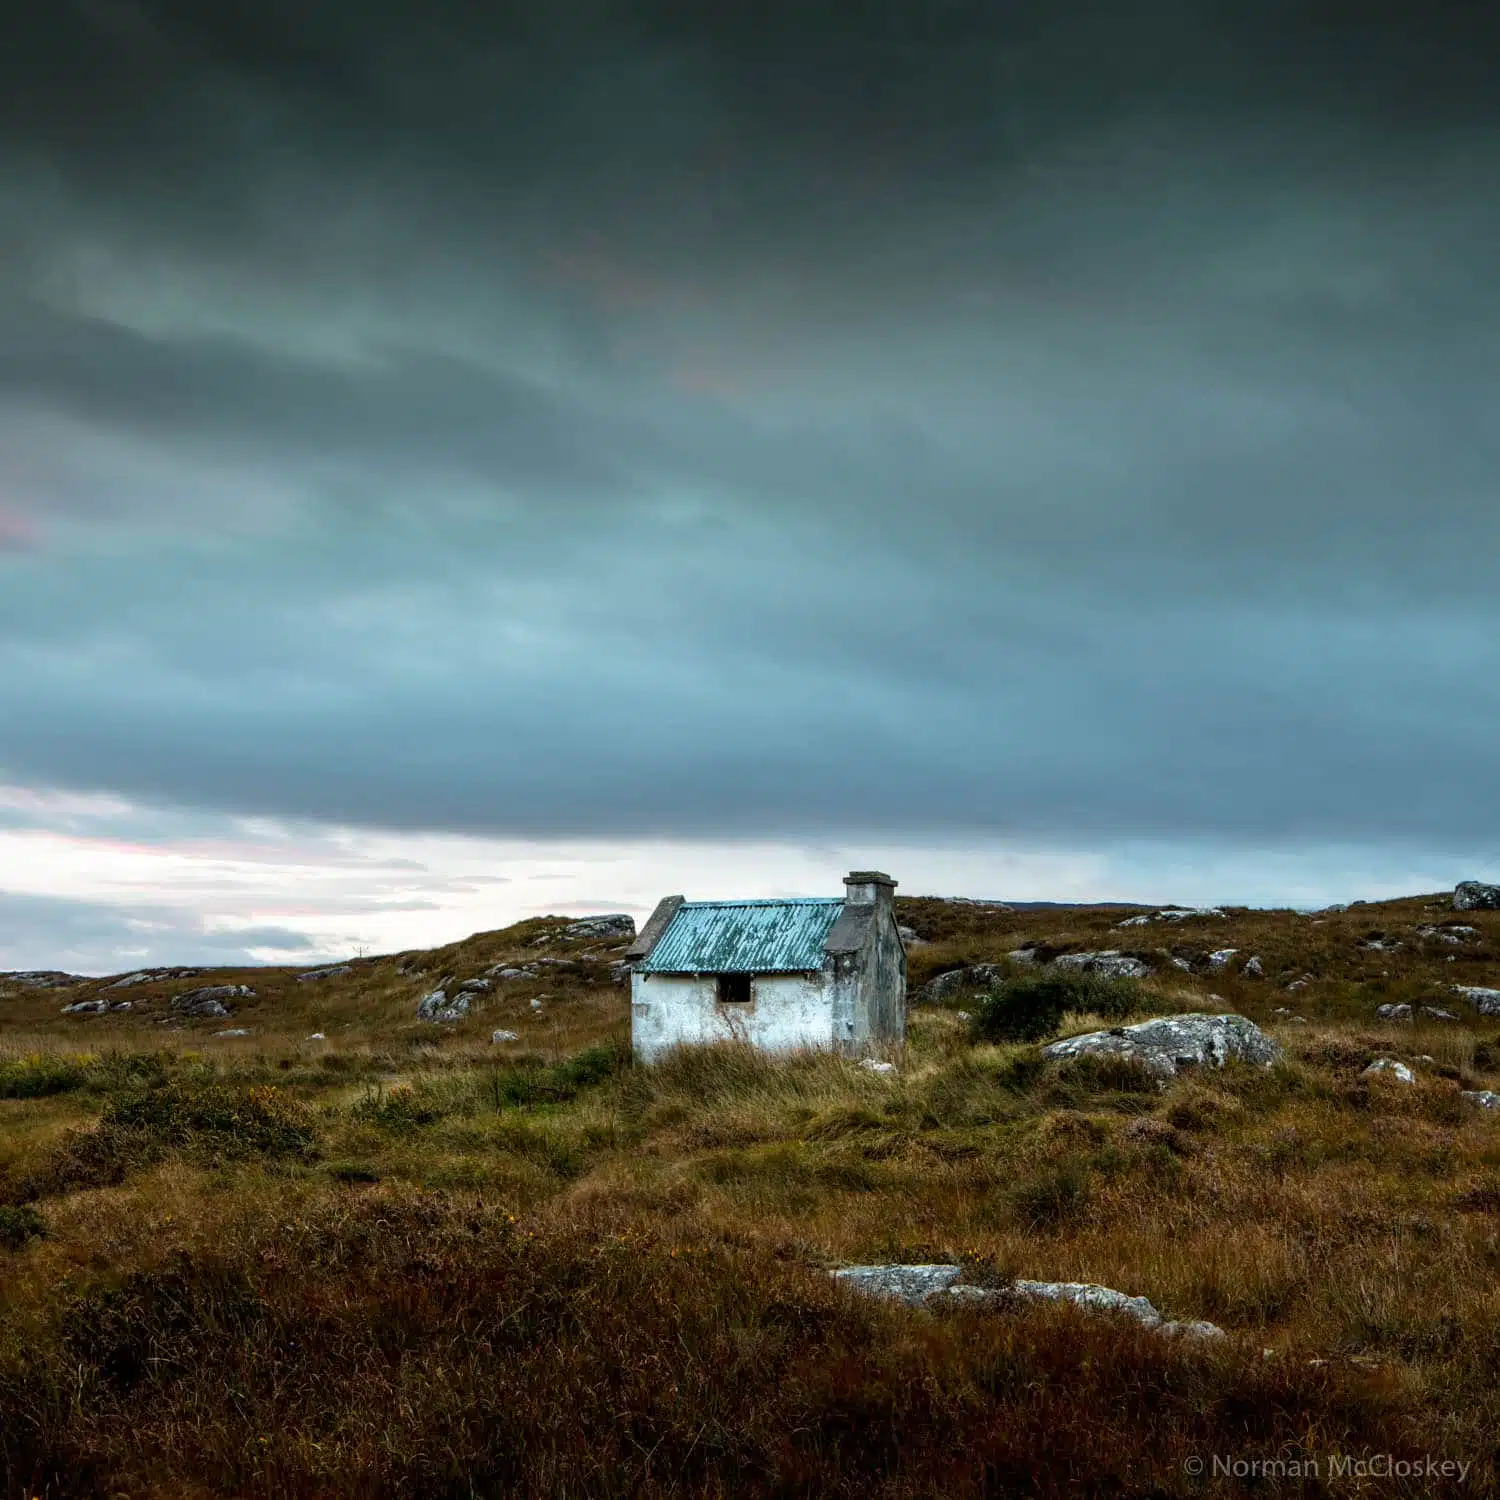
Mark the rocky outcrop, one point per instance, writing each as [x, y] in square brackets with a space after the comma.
[153, 976]
[43, 979]
[1453, 933]
[938, 1286]
[475, 987]
[1171, 914]
[1475, 895]
[1171, 1043]
[212, 1000]
[438, 1007]
[615, 925]
[1433, 1013]
[1253, 969]
[504, 1036]
[970, 977]
[1219, 959]
[1393, 1012]
[86, 1008]
[337, 971]
[1484, 1098]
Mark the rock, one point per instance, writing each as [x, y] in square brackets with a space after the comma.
[616, 924]
[1095, 1298]
[234, 1031]
[504, 1036]
[317, 1036]
[1448, 934]
[474, 987]
[1399, 1071]
[86, 1008]
[1164, 1045]
[43, 979]
[1182, 963]
[1022, 955]
[209, 1001]
[909, 1284]
[1484, 1098]
[1253, 969]
[1434, 1014]
[971, 977]
[1474, 895]
[1108, 964]
[123, 1005]
[962, 1015]
[1393, 1012]
[505, 971]
[438, 1007]
[338, 971]
[536, 1004]
[1171, 914]
[619, 972]
[1220, 959]
[1485, 1001]
[870, 1065]
[1381, 945]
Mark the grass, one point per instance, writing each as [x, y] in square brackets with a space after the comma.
[408, 1261]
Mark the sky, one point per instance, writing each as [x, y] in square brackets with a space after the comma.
[459, 462]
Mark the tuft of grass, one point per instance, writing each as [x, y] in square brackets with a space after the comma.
[19, 1225]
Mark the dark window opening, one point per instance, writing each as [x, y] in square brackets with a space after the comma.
[734, 989]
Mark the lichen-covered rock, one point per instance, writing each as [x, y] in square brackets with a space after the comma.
[1220, 958]
[971, 977]
[1485, 1001]
[1087, 1295]
[909, 1284]
[1169, 1043]
[438, 1007]
[337, 971]
[1191, 1330]
[1475, 895]
[614, 925]
[1388, 1066]
[1171, 914]
[474, 987]
[1393, 1012]
[504, 1036]
[1484, 1098]
[86, 1008]
[1107, 964]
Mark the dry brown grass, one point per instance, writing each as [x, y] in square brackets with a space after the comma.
[408, 1262]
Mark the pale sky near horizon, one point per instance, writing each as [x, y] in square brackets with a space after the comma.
[457, 462]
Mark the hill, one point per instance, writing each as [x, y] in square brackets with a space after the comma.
[352, 1252]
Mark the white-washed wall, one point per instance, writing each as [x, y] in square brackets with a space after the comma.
[786, 1011]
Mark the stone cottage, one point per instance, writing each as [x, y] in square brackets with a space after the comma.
[812, 972]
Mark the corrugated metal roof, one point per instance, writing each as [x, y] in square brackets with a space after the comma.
[740, 937]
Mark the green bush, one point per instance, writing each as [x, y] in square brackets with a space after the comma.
[1030, 1007]
[40, 1076]
[20, 1225]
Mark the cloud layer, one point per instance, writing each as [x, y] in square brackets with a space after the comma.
[977, 423]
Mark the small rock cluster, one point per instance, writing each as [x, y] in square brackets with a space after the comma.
[312, 976]
[211, 1000]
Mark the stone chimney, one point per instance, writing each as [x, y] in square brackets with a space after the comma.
[869, 888]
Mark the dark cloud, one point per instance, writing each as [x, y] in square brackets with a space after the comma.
[755, 419]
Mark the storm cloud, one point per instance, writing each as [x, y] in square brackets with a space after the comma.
[597, 420]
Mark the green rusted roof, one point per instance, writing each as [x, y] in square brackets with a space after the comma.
[744, 937]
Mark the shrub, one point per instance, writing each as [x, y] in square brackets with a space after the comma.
[20, 1225]
[40, 1076]
[1030, 1007]
[400, 1108]
[1053, 1198]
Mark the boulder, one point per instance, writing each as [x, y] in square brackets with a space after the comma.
[337, 971]
[1193, 1330]
[1485, 1001]
[234, 1031]
[1253, 969]
[619, 972]
[1087, 1295]
[1171, 914]
[474, 987]
[615, 925]
[1182, 963]
[317, 1036]
[86, 1008]
[504, 1036]
[43, 979]
[1454, 934]
[123, 1005]
[1108, 964]
[536, 1003]
[1165, 1045]
[1393, 1012]
[909, 1284]
[908, 935]
[1220, 958]
[1434, 1014]
[210, 1001]
[1388, 1065]
[437, 1007]
[1022, 955]
[1484, 1098]
[871, 1065]
[506, 971]
[1475, 895]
